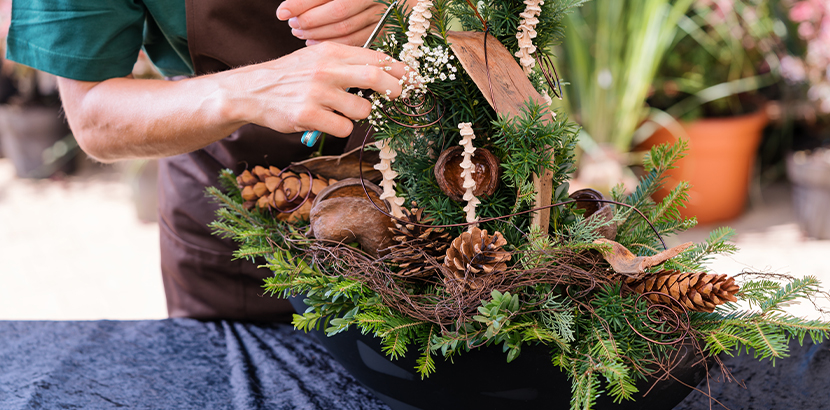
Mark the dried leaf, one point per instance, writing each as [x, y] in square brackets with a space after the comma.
[626, 263]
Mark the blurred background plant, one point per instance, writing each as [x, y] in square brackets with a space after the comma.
[611, 53]
[725, 53]
[806, 70]
[636, 69]
[811, 69]
[713, 89]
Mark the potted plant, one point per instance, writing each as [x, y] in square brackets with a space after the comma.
[807, 72]
[609, 57]
[710, 85]
[452, 257]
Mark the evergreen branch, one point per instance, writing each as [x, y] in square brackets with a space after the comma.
[584, 390]
[425, 364]
[767, 347]
[251, 253]
[798, 288]
[396, 329]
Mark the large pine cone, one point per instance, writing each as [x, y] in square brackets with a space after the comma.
[699, 291]
[475, 254]
[284, 191]
[416, 245]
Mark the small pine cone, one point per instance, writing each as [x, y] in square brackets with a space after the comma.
[271, 188]
[475, 254]
[699, 291]
[416, 245]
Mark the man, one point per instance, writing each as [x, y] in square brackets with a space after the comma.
[250, 88]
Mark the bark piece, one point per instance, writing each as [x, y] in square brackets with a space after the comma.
[596, 210]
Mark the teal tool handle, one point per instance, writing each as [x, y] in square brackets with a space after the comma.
[310, 138]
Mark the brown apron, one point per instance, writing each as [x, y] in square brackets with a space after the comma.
[200, 278]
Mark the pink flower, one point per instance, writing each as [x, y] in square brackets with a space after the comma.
[802, 11]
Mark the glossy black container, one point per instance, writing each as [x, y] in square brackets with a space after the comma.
[483, 379]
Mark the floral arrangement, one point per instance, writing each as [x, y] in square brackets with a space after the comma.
[471, 237]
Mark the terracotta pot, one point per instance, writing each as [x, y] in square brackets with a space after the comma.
[718, 164]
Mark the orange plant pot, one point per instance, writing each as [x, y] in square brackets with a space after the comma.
[718, 164]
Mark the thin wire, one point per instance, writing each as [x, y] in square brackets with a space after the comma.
[661, 309]
[546, 66]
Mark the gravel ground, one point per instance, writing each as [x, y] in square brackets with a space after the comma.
[72, 248]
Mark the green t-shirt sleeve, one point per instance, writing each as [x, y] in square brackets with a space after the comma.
[87, 40]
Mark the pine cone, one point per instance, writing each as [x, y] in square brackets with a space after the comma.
[285, 192]
[475, 254]
[699, 291]
[414, 245]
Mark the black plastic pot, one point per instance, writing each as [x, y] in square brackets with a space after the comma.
[483, 379]
[37, 140]
[809, 172]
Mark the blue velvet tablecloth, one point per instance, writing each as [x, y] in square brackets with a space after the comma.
[190, 364]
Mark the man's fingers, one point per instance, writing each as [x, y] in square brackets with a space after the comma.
[357, 56]
[293, 8]
[356, 39]
[350, 105]
[371, 77]
[330, 123]
[362, 23]
[340, 14]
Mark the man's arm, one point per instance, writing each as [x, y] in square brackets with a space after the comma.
[123, 118]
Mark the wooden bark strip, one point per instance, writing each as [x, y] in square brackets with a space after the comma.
[510, 90]
[344, 166]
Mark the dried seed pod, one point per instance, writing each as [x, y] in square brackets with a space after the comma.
[246, 178]
[342, 213]
[272, 183]
[352, 188]
[260, 189]
[448, 172]
[248, 193]
[344, 166]
[596, 210]
[262, 172]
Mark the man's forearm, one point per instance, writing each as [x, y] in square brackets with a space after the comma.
[123, 118]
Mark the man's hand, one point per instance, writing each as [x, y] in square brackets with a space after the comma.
[306, 89]
[347, 22]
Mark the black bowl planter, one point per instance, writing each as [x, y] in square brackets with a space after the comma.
[483, 379]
